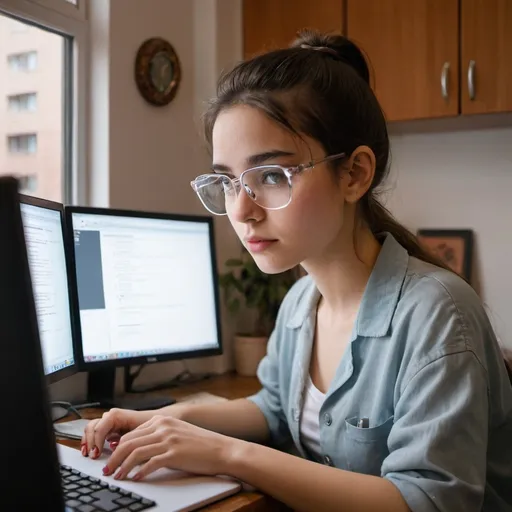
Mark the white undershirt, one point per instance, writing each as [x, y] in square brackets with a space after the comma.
[310, 422]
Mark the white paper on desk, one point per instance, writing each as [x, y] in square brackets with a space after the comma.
[71, 429]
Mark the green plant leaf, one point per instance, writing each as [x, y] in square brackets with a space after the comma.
[234, 305]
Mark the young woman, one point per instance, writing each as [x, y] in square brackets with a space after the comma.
[383, 369]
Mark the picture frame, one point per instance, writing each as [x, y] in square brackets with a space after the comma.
[454, 247]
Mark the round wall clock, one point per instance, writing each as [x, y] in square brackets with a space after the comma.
[157, 71]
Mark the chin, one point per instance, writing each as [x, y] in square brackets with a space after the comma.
[272, 264]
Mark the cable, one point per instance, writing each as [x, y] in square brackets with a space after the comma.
[69, 407]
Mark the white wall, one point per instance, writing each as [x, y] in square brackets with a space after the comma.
[458, 174]
[144, 157]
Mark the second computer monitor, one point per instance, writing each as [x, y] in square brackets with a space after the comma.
[147, 287]
[43, 224]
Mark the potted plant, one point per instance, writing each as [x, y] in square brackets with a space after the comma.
[244, 284]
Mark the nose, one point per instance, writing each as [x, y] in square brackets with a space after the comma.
[244, 209]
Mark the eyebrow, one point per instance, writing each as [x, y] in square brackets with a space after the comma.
[257, 159]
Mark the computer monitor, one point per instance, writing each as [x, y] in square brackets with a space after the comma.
[147, 292]
[31, 479]
[52, 279]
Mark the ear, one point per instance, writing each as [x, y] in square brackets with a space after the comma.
[361, 174]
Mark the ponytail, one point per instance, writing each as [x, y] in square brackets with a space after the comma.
[380, 220]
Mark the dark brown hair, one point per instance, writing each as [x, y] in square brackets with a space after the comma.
[320, 88]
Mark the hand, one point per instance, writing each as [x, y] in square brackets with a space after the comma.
[169, 442]
[111, 426]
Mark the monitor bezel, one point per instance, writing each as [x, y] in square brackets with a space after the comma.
[72, 295]
[83, 365]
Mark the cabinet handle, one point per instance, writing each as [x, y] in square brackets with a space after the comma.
[471, 79]
[444, 80]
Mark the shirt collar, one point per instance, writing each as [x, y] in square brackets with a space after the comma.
[380, 297]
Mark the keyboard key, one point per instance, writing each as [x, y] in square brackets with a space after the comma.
[87, 508]
[125, 500]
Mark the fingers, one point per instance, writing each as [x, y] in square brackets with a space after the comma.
[96, 432]
[154, 463]
[144, 430]
[131, 453]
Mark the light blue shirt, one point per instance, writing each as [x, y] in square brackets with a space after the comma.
[424, 366]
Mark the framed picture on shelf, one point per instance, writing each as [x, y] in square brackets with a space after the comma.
[454, 247]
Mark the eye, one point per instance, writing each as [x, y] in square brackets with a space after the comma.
[272, 177]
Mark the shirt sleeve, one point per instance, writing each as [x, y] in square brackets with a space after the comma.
[268, 399]
[438, 442]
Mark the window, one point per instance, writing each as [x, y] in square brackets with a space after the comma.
[26, 143]
[28, 184]
[20, 102]
[43, 49]
[26, 61]
[35, 75]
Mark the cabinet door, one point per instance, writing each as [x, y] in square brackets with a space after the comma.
[413, 48]
[486, 67]
[271, 24]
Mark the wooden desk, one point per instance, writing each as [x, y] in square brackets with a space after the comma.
[229, 386]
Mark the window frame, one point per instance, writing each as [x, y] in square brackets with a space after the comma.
[63, 17]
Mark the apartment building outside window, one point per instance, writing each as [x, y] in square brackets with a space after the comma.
[42, 82]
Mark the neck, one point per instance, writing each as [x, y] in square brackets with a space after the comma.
[341, 274]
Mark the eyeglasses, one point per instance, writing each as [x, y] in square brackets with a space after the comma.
[269, 186]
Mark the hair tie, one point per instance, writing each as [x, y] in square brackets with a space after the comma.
[324, 49]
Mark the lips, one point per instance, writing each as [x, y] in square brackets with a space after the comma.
[258, 244]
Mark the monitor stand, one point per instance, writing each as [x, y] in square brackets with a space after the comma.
[101, 390]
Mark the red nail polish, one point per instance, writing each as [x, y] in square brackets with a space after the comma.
[106, 471]
[137, 477]
[118, 475]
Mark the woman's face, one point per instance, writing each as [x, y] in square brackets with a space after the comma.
[312, 223]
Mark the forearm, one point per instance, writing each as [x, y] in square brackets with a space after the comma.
[307, 486]
[235, 418]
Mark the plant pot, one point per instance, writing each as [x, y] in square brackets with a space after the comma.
[249, 351]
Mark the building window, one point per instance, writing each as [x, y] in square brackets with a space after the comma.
[21, 102]
[26, 61]
[28, 184]
[26, 143]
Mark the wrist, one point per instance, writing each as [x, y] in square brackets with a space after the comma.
[234, 456]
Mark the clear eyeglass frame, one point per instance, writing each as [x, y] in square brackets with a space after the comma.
[238, 183]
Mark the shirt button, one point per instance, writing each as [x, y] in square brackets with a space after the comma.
[328, 460]
[327, 419]
[295, 415]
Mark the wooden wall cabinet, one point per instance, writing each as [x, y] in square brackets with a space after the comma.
[486, 56]
[436, 58]
[413, 48]
[272, 24]
[429, 58]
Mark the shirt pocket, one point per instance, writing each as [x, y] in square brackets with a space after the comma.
[366, 448]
